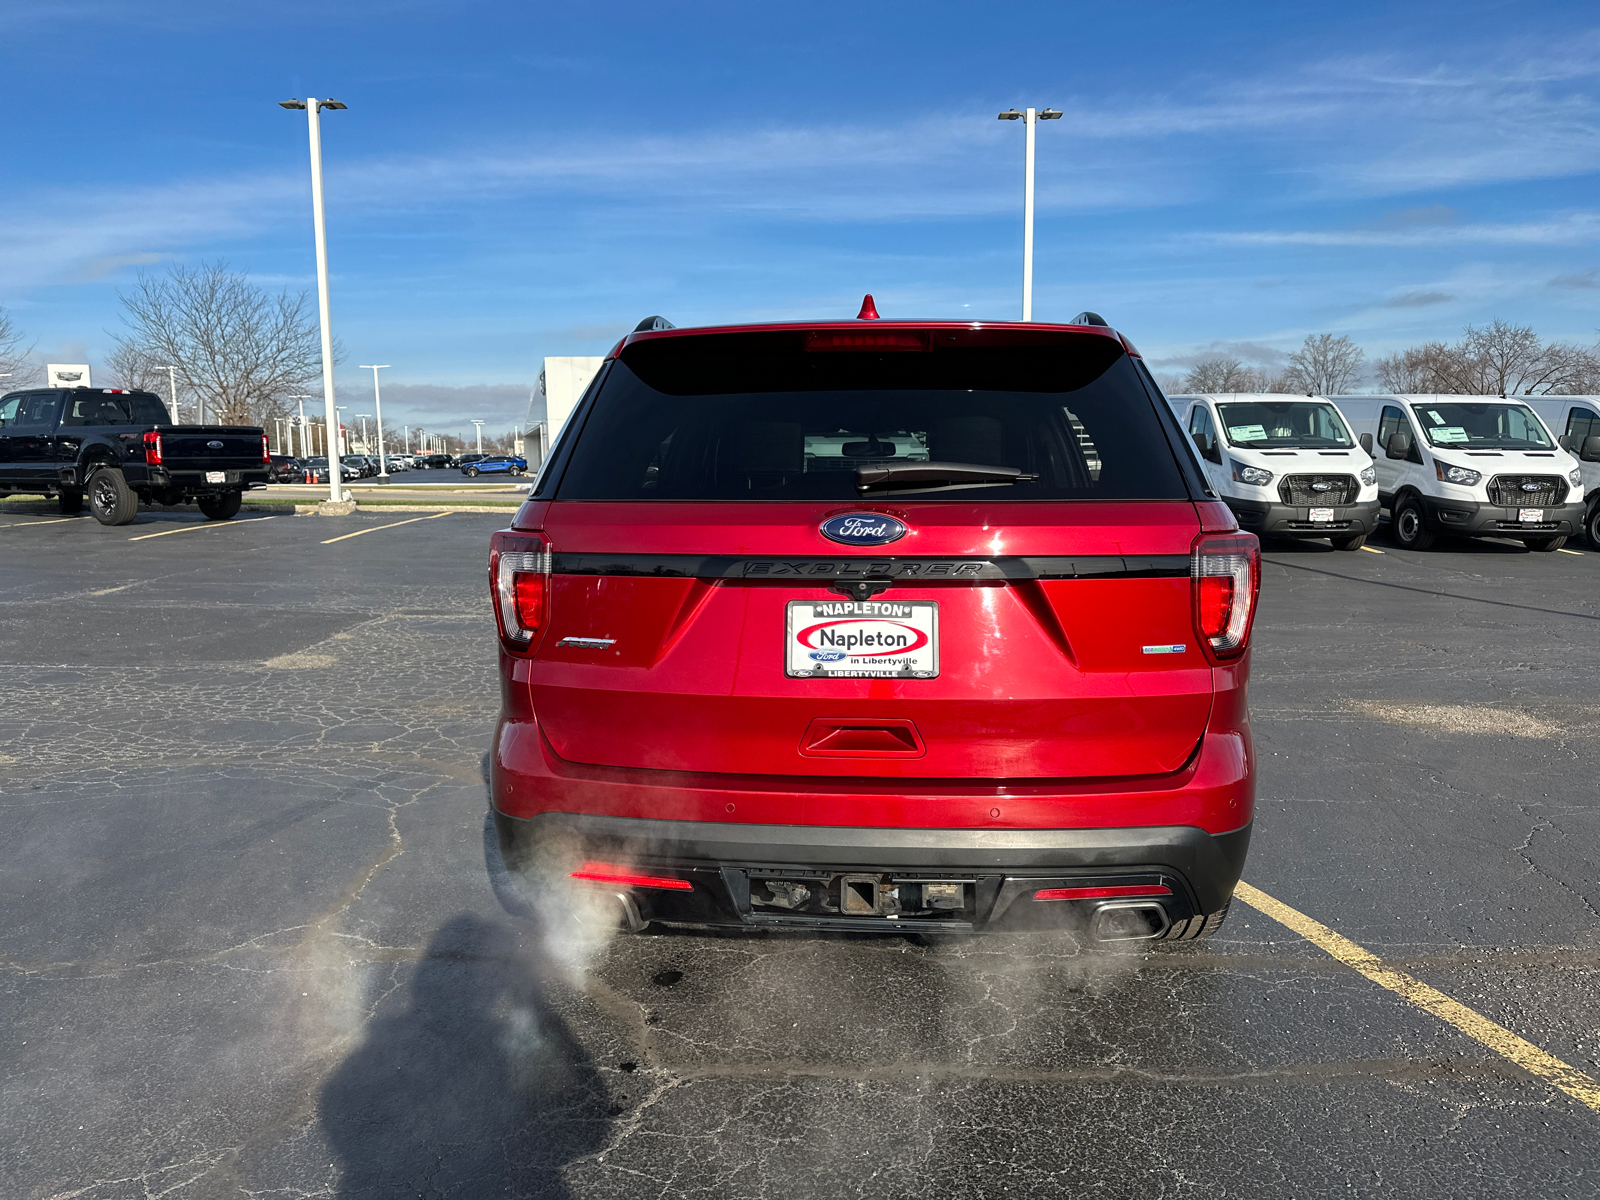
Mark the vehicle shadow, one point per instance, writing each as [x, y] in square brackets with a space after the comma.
[471, 1084]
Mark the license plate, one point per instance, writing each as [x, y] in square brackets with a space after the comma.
[892, 639]
[1322, 514]
[216, 477]
[1535, 515]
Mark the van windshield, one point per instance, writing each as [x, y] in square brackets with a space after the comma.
[1285, 425]
[1482, 426]
[768, 416]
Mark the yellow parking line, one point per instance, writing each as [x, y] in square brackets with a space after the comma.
[51, 521]
[207, 525]
[1579, 553]
[1370, 550]
[1581, 1087]
[392, 525]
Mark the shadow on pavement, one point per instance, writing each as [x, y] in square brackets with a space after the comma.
[473, 1086]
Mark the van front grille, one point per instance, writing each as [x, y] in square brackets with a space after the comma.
[1514, 491]
[1318, 490]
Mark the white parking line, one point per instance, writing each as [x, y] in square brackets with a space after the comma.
[1370, 550]
[1579, 553]
[207, 525]
[375, 528]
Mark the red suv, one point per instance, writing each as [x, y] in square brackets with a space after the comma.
[893, 625]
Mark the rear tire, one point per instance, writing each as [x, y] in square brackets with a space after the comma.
[70, 503]
[111, 500]
[1198, 928]
[1591, 527]
[472, 471]
[1349, 543]
[1545, 545]
[1411, 530]
[219, 508]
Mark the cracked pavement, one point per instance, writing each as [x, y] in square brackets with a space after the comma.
[257, 942]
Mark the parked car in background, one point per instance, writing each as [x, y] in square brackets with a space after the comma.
[434, 462]
[465, 459]
[496, 464]
[1472, 466]
[362, 465]
[981, 663]
[317, 470]
[285, 468]
[1288, 466]
[1576, 420]
[117, 448]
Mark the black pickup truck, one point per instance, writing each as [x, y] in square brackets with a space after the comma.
[119, 447]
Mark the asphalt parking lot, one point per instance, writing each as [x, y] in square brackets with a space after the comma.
[254, 944]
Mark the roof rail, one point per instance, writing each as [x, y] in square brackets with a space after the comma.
[1090, 318]
[650, 323]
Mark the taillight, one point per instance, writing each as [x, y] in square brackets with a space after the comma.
[519, 582]
[152, 448]
[1226, 574]
[620, 876]
[265, 457]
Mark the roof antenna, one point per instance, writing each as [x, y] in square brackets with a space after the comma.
[869, 310]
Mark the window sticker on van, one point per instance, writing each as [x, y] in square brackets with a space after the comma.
[1434, 414]
[1450, 433]
[1247, 433]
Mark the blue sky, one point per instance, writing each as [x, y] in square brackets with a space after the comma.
[513, 181]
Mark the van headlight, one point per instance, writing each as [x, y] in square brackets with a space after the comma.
[1369, 475]
[1575, 477]
[1255, 476]
[1456, 475]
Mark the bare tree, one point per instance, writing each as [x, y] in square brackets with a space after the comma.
[1409, 371]
[13, 354]
[1324, 365]
[1219, 375]
[243, 350]
[132, 367]
[1498, 359]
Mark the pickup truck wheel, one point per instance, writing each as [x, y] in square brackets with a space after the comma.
[1410, 529]
[111, 500]
[1545, 544]
[1349, 543]
[219, 508]
[71, 503]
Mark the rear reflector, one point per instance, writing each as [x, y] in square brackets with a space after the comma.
[152, 448]
[616, 876]
[876, 339]
[1116, 891]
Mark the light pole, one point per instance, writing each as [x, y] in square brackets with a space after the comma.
[337, 432]
[377, 403]
[479, 426]
[304, 453]
[1030, 117]
[366, 446]
[172, 390]
[313, 108]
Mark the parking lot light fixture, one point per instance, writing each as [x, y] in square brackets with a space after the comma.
[1031, 117]
[377, 403]
[313, 108]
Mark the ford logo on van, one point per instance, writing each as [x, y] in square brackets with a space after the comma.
[862, 529]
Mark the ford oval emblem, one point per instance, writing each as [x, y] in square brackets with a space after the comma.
[862, 529]
[213, 445]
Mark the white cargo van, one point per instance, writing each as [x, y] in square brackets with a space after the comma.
[1288, 466]
[1574, 420]
[1474, 466]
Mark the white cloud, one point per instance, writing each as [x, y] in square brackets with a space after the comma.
[1573, 228]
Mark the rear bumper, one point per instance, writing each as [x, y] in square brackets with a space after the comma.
[1471, 519]
[1287, 520]
[1002, 870]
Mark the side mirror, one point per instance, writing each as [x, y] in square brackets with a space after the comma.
[1399, 444]
[1565, 443]
[1366, 443]
[1591, 448]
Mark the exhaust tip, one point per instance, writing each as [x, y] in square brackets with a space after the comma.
[1128, 921]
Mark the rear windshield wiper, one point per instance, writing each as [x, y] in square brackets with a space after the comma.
[934, 476]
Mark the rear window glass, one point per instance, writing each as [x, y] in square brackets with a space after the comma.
[101, 408]
[762, 417]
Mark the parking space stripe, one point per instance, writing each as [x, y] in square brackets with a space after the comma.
[1559, 550]
[392, 525]
[51, 521]
[1370, 550]
[207, 525]
[1581, 1087]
